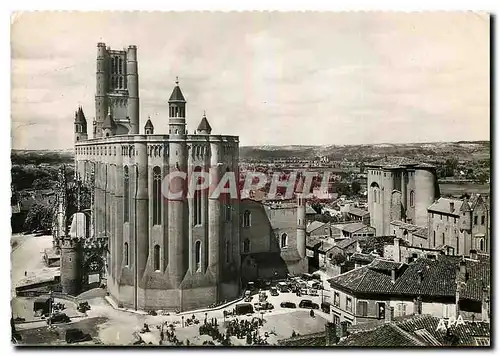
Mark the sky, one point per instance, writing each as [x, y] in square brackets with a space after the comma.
[303, 78]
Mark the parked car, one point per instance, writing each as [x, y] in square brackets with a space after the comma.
[308, 304]
[58, 318]
[274, 291]
[288, 305]
[313, 292]
[243, 308]
[266, 306]
[76, 335]
[283, 287]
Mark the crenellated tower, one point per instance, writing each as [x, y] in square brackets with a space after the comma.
[71, 264]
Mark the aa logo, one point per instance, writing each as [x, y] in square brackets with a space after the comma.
[444, 324]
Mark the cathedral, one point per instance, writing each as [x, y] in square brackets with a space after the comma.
[172, 254]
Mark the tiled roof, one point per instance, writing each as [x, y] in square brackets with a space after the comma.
[385, 265]
[383, 336]
[316, 339]
[438, 278]
[478, 278]
[364, 280]
[358, 211]
[392, 162]
[348, 242]
[460, 334]
[326, 245]
[353, 227]
[442, 205]
[312, 241]
[314, 225]
[417, 330]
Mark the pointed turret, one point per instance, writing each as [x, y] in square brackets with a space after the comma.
[80, 125]
[204, 127]
[149, 128]
[109, 125]
[176, 96]
[177, 111]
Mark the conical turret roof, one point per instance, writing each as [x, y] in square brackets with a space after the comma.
[109, 123]
[204, 125]
[80, 116]
[149, 124]
[176, 95]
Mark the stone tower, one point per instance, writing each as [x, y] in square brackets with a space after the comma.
[80, 126]
[301, 220]
[117, 87]
[71, 265]
[177, 208]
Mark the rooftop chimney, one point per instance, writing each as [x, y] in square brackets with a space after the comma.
[485, 310]
[397, 250]
[331, 334]
[417, 305]
[393, 275]
[420, 274]
[461, 271]
[452, 207]
[473, 254]
[389, 313]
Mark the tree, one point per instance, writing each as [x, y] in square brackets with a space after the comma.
[317, 207]
[43, 183]
[338, 259]
[355, 187]
[40, 217]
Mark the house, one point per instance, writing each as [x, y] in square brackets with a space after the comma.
[357, 214]
[461, 225]
[357, 230]
[406, 331]
[417, 330]
[401, 251]
[445, 287]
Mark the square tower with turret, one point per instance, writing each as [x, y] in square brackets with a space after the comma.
[117, 90]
